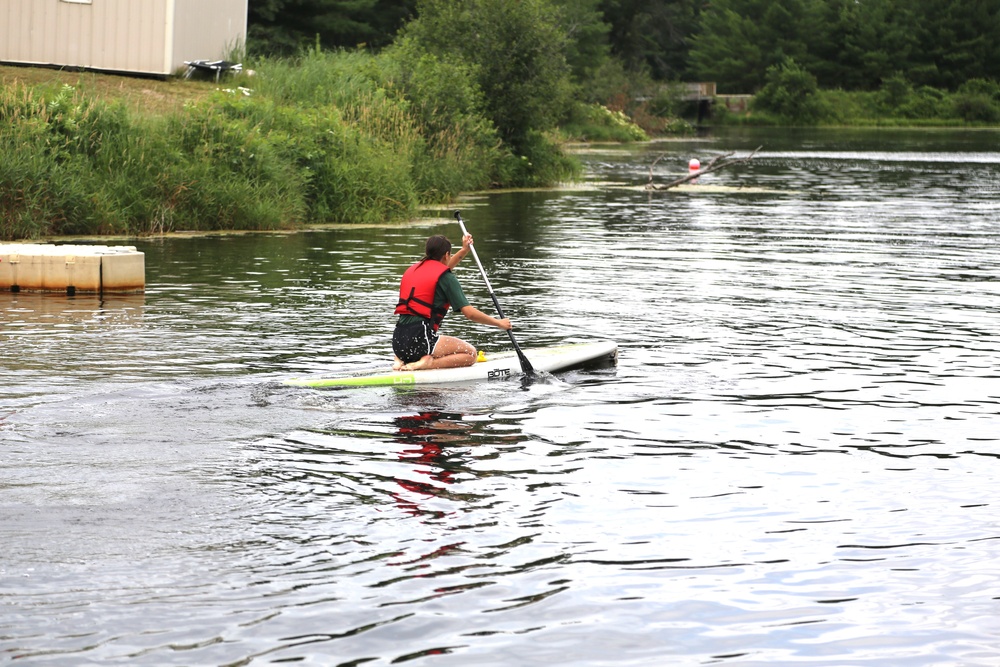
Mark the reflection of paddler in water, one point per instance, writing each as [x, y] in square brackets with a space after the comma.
[427, 432]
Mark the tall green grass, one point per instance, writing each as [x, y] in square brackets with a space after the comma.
[71, 165]
[327, 137]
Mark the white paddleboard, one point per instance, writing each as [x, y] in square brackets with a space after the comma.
[499, 366]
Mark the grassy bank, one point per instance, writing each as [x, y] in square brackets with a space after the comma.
[141, 96]
[345, 137]
[328, 138]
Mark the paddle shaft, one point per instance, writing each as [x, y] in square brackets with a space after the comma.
[526, 366]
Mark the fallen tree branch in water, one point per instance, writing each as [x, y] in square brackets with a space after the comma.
[717, 163]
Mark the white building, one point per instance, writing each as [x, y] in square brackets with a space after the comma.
[135, 36]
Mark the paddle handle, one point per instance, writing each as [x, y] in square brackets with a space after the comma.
[526, 366]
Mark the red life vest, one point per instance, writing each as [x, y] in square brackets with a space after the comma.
[416, 291]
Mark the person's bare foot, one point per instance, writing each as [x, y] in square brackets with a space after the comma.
[397, 364]
[419, 364]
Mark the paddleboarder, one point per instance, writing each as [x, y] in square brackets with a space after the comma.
[426, 292]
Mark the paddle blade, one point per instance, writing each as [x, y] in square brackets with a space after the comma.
[526, 366]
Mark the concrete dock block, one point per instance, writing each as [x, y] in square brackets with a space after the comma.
[124, 271]
[71, 268]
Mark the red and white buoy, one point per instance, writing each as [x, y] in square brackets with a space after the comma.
[694, 165]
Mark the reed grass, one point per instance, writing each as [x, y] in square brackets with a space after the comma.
[343, 137]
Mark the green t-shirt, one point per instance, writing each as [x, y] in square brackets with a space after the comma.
[448, 291]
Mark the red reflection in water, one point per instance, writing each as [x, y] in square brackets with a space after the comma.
[426, 432]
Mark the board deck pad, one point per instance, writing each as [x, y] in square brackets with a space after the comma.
[498, 366]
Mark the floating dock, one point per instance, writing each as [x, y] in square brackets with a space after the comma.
[36, 267]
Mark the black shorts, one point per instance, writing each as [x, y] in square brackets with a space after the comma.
[410, 342]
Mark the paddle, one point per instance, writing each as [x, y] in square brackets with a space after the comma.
[526, 366]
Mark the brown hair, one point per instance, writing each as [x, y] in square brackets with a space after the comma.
[437, 247]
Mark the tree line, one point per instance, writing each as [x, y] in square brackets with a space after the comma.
[853, 45]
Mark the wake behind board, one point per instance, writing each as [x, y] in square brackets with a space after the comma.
[498, 366]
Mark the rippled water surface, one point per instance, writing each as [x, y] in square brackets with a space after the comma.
[794, 462]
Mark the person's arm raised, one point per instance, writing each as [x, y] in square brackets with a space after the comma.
[462, 252]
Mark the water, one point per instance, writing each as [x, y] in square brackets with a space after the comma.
[793, 462]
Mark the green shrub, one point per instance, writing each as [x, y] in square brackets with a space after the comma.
[978, 101]
[595, 122]
[516, 51]
[926, 103]
[667, 102]
[461, 147]
[975, 108]
[895, 92]
[791, 94]
[542, 163]
[985, 87]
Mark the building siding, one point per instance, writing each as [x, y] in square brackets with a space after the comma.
[209, 30]
[142, 36]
